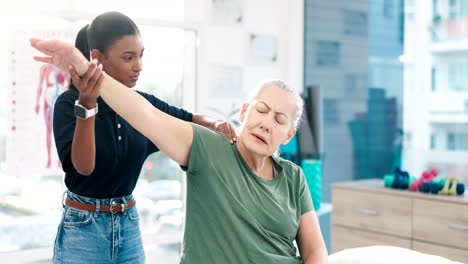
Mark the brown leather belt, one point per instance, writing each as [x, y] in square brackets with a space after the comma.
[114, 208]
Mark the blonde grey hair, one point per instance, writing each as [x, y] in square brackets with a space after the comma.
[296, 97]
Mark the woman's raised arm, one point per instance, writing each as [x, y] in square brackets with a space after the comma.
[172, 136]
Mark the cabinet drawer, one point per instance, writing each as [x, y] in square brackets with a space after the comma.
[347, 237]
[446, 252]
[441, 222]
[371, 211]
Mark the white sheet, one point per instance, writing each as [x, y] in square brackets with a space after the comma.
[385, 255]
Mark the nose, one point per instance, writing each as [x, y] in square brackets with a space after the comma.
[265, 127]
[137, 65]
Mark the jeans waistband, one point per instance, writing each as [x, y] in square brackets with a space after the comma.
[88, 200]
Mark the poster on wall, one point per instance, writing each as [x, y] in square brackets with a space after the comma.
[227, 12]
[263, 49]
[33, 88]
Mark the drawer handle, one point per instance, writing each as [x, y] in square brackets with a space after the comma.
[368, 212]
[459, 227]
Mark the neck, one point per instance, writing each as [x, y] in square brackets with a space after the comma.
[261, 165]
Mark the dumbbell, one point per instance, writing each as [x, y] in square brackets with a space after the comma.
[402, 179]
[426, 176]
[402, 182]
[435, 187]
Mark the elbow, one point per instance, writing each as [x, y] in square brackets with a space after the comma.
[84, 166]
[321, 260]
[319, 255]
[84, 170]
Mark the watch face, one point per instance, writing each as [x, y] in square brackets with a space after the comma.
[80, 112]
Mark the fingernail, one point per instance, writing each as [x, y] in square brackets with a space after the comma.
[94, 61]
[230, 141]
[100, 66]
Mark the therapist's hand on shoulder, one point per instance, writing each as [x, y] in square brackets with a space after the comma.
[88, 85]
[227, 129]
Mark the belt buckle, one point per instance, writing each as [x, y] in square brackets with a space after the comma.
[114, 204]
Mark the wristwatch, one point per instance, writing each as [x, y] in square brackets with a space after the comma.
[84, 113]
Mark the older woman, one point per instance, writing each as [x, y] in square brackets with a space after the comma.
[243, 204]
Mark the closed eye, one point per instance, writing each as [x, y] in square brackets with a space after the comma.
[262, 109]
[280, 121]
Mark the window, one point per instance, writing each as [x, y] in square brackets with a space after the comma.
[351, 52]
[328, 53]
[31, 190]
[354, 23]
[387, 8]
[331, 111]
[433, 141]
[453, 9]
[458, 78]
[457, 141]
[409, 9]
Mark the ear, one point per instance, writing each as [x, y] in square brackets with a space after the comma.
[243, 112]
[96, 54]
[291, 134]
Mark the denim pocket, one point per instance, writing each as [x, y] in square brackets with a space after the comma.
[133, 214]
[74, 216]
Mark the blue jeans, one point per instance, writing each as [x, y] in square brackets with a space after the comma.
[98, 237]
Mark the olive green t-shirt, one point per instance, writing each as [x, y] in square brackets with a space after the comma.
[233, 215]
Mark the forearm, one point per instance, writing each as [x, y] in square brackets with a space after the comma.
[83, 152]
[310, 240]
[171, 135]
[319, 256]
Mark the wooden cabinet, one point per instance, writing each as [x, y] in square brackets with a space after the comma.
[366, 214]
[348, 237]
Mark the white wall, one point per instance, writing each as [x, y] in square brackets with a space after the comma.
[417, 86]
[227, 45]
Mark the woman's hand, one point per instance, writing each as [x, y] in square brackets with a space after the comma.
[60, 54]
[89, 84]
[227, 129]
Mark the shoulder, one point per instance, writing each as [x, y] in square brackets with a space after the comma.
[207, 146]
[67, 96]
[287, 164]
[207, 137]
[291, 171]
